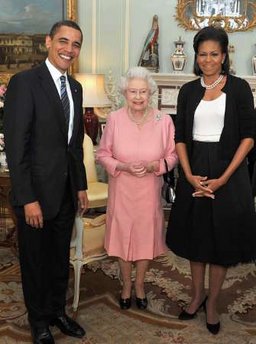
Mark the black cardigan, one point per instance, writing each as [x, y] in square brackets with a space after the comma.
[239, 120]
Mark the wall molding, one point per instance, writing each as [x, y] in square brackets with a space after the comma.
[127, 36]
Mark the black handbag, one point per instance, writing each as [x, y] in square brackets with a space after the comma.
[168, 191]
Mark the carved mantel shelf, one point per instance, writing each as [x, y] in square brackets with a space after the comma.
[169, 85]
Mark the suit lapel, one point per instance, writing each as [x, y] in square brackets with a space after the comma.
[49, 87]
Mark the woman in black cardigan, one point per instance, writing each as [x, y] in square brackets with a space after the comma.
[213, 219]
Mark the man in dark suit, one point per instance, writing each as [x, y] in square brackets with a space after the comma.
[43, 129]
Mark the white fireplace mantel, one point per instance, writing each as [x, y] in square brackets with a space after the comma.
[169, 85]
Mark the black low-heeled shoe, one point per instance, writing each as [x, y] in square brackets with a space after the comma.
[184, 315]
[125, 303]
[142, 303]
[68, 326]
[213, 328]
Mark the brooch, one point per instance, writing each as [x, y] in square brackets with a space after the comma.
[158, 116]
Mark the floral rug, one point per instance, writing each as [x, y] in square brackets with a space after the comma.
[168, 290]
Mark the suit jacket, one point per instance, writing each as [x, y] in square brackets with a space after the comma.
[239, 120]
[39, 157]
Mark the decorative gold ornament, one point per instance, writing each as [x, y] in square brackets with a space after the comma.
[235, 15]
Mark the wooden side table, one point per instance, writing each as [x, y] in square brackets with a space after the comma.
[8, 220]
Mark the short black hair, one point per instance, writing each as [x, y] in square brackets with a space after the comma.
[211, 33]
[70, 23]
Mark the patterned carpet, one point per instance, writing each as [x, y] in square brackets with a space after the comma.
[167, 287]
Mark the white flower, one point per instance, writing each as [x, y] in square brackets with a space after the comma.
[2, 145]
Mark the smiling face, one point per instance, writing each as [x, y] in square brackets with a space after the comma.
[210, 58]
[137, 95]
[64, 47]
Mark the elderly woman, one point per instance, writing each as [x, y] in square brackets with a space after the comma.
[136, 141]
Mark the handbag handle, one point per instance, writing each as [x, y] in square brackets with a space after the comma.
[166, 165]
[165, 175]
[168, 177]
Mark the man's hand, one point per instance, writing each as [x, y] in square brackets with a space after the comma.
[82, 202]
[33, 215]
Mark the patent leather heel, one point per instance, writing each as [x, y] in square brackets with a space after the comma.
[142, 303]
[184, 315]
[213, 328]
[125, 303]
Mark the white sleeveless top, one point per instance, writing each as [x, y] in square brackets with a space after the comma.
[209, 119]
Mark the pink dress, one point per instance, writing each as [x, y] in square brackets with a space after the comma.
[135, 223]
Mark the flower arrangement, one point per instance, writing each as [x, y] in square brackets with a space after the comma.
[2, 145]
[3, 89]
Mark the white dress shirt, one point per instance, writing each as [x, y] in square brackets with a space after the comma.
[56, 74]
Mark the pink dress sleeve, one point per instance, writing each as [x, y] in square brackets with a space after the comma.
[170, 153]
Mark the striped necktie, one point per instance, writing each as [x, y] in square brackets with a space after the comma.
[64, 99]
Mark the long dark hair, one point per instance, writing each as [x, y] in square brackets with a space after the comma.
[211, 33]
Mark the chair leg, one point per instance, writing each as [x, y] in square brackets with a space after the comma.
[77, 276]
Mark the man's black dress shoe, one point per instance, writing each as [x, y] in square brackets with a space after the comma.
[41, 335]
[142, 303]
[125, 303]
[189, 316]
[213, 328]
[68, 326]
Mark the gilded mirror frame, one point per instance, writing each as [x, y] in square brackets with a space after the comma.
[231, 15]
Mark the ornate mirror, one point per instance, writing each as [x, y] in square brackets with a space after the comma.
[232, 15]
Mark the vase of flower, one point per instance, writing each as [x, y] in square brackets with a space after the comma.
[2, 96]
[3, 162]
[178, 58]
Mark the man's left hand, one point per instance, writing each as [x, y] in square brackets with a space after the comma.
[82, 202]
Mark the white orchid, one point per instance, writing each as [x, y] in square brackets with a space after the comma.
[2, 145]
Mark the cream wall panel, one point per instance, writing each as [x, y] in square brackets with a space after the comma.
[111, 35]
[85, 21]
[122, 26]
[105, 35]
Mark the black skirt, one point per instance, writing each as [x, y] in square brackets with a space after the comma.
[220, 231]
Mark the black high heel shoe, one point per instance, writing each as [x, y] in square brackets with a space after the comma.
[142, 303]
[184, 315]
[125, 303]
[213, 328]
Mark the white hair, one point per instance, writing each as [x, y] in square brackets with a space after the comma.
[140, 73]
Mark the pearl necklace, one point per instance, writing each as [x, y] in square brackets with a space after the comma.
[141, 120]
[214, 84]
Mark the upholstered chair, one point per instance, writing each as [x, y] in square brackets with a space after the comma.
[87, 242]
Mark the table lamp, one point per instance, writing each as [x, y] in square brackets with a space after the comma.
[94, 96]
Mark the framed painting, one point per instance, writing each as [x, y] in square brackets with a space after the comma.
[23, 26]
